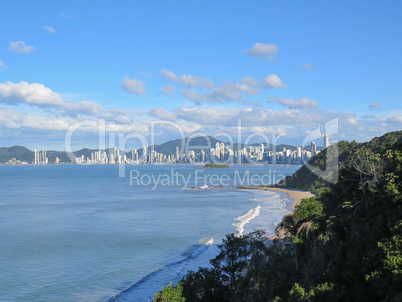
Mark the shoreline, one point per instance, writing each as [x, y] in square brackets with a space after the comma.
[295, 194]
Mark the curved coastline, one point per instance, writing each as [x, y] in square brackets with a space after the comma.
[292, 199]
[295, 195]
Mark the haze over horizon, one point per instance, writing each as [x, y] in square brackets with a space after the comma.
[283, 67]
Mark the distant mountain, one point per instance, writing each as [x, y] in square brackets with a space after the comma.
[18, 152]
[169, 148]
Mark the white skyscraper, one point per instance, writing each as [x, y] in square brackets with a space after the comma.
[326, 141]
[313, 149]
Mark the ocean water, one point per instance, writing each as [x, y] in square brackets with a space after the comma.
[81, 233]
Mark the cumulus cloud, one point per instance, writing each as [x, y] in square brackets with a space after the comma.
[261, 50]
[188, 81]
[36, 94]
[226, 92]
[396, 119]
[250, 81]
[133, 86]
[2, 65]
[20, 47]
[306, 66]
[229, 116]
[162, 114]
[208, 92]
[375, 106]
[196, 98]
[14, 119]
[291, 103]
[49, 29]
[168, 89]
[273, 81]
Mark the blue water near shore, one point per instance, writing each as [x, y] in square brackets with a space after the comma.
[81, 233]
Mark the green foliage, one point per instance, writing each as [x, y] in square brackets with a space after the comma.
[170, 293]
[214, 165]
[344, 244]
[317, 293]
[305, 179]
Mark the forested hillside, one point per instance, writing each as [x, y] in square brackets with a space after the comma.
[345, 244]
[305, 179]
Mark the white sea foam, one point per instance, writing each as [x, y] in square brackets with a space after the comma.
[246, 218]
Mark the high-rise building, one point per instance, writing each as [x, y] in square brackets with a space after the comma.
[298, 152]
[44, 158]
[144, 154]
[313, 148]
[326, 141]
[134, 155]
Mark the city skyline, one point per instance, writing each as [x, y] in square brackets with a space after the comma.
[222, 152]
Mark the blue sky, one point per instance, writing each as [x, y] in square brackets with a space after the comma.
[283, 67]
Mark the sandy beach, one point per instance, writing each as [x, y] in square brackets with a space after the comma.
[295, 194]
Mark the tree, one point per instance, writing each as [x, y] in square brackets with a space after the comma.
[170, 293]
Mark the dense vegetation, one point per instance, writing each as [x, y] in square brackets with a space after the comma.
[214, 165]
[344, 244]
[342, 156]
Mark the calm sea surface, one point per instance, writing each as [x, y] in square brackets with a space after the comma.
[81, 233]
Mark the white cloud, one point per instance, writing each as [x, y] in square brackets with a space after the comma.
[133, 86]
[2, 65]
[375, 106]
[250, 81]
[20, 47]
[35, 94]
[196, 98]
[351, 121]
[396, 119]
[49, 29]
[14, 119]
[291, 103]
[249, 116]
[163, 114]
[262, 50]
[306, 66]
[226, 92]
[187, 80]
[168, 89]
[273, 81]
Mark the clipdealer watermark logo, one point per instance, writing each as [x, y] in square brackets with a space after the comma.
[236, 149]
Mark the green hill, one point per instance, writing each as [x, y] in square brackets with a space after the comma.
[169, 147]
[343, 244]
[305, 179]
[17, 152]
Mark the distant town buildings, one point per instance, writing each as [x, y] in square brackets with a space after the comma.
[313, 148]
[220, 153]
[40, 157]
[325, 141]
